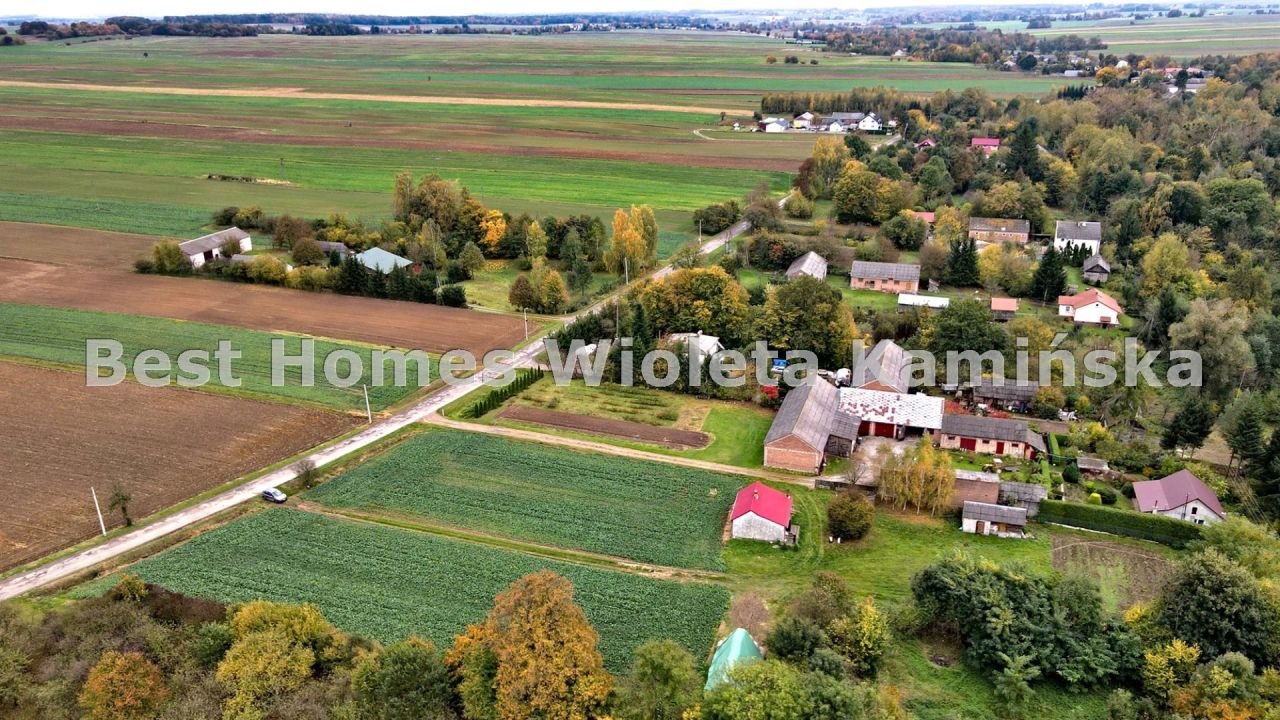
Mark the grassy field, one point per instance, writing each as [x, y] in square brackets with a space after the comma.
[58, 336]
[388, 583]
[643, 511]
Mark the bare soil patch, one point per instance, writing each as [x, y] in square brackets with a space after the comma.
[72, 246]
[380, 322]
[160, 445]
[667, 437]
[1126, 574]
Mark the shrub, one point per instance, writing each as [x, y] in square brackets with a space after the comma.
[1107, 494]
[794, 639]
[130, 588]
[496, 396]
[267, 269]
[849, 516]
[453, 296]
[1071, 473]
[1094, 499]
[798, 206]
[1156, 528]
[862, 638]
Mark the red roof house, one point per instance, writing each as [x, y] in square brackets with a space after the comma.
[761, 513]
[1092, 307]
[925, 216]
[987, 145]
[1181, 495]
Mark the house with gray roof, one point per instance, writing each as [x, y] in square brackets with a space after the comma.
[1077, 233]
[996, 231]
[811, 264]
[1006, 393]
[884, 277]
[809, 426]
[992, 436]
[999, 520]
[208, 247]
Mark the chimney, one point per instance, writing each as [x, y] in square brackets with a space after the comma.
[755, 494]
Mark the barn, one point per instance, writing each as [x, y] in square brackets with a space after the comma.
[891, 414]
[208, 247]
[1010, 395]
[884, 367]
[993, 436]
[762, 513]
[807, 428]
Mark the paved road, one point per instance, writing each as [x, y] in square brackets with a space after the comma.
[142, 535]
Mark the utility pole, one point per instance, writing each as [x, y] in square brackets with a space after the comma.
[526, 323]
[699, 232]
[101, 524]
[367, 411]
[626, 271]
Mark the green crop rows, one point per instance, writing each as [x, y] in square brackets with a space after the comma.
[57, 335]
[387, 583]
[115, 215]
[645, 511]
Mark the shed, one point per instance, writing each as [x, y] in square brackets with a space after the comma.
[1008, 394]
[1004, 308]
[993, 436]
[1096, 269]
[707, 345]
[1090, 465]
[884, 277]
[736, 650]
[1024, 495]
[987, 145]
[913, 300]
[380, 260]
[328, 246]
[207, 247]
[761, 513]
[999, 520]
[811, 264]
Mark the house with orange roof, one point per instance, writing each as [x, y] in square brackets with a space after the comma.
[1004, 308]
[1091, 307]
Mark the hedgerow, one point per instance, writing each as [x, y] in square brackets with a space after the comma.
[1144, 526]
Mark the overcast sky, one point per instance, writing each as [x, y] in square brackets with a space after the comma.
[156, 8]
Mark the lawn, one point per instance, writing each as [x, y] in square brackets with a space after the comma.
[644, 511]
[58, 336]
[389, 584]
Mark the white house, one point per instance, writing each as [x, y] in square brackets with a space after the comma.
[772, 125]
[706, 345]
[870, 123]
[803, 121]
[381, 261]
[1091, 307]
[1078, 233]
[207, 247]
[988, 519]
[834, 126]
[1182, 496]
[762, 513]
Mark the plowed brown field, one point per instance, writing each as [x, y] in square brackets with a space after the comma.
[380, 322]
[161, 445]
[72, 246]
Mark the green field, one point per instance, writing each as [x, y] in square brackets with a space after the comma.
[58, 336]
[388, 584]
[650, 512]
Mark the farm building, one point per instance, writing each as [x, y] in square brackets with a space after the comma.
[1004, 308]
[774, 125]
[1024, 495]
[207, 247]
[803, 121]
[1181, 495]
[891, 414]
[1008, 395]
[906, 301]
[808, 427]
[811, 264]
[985, 145]
[992, 436]
[975, 486]
[762, 513]
[870, 123]
[1077, 233]
[926, 143]
[999, 520]
[1096, 269]
[736, 650]
[380, 260]
[886, 366]
[995, 231]
[1091, 307]
[707, 345]
[884, 277]
[327, 247]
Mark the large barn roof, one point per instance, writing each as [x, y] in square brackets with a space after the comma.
[918, 410]
[810, 263]
[212, 241]
[886, 363]
[807, 413]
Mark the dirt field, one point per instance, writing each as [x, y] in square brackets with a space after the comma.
[380, 322]
[72, 246]
[161, 445]
[1125, 573]
[669, 437]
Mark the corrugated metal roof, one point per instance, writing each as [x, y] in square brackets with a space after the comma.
[1022, 492]
[995, 513]
[883, 270]
[212, 241]
[1007, 389]
[979, 426]
[917, 410]
[807, 413]
[811, 264]
[381, 260]
[886, 363]
[929, 301]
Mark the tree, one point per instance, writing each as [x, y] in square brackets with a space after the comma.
[798, 206]
[1050, 278]
[493, 228]
[289, 230]
[830, 156]
[809, 314]
[305, 251]
[168, 258]
[522, 294]
[535, 243]
[862, 638]
[849, 516]
[1060, 184]
[1242, 426]
[1215, 329]
[962, 264]
[120, 499]
[906, 231]
[1024, 150]
[471, 258]
[262, 664]
[858, 148]
[794, 639]
[1190, 427]
[553, 296]
[934, 180]
[627, 247]
[644, 219]
[267, 269]
[1253, 546]
[543, 649]
[767, 690]
[664, 682]
[576, 262]
[1013, 683]
[407, 681]
[964, 325]
[693, 299]
[713, 219]
[1215, 604]
[123, 686]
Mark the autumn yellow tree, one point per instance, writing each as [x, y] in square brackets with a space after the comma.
[535, 243]
[829, 158]
[535, 656]
[647, 223]
[123, 686]
[494, 227]
[627, 248]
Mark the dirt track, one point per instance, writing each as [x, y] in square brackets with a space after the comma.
[161, 445]
[380, 322]
[284, 92]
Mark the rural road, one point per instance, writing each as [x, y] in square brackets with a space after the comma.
[85, 559]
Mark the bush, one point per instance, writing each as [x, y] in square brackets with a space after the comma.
[267, 269]
[794, 639]
[1106, 493]
[1071, 473]
[1094, 499]
[798, 206]
[849, 516]
[453, 296]
[1156, 528]
[495, 397]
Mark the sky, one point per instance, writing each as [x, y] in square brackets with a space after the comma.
[156, 8]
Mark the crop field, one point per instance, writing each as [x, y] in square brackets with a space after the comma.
[548, 125]
[161, 445]
[58, 336]
[388, 583]
[433, 328]
[72, 246]
[649, 512]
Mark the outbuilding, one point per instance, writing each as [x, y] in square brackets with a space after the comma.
[999, 520]
[381, 261]
[811, 264]
[762, 513]
[991, 436]
[907, 301]
[809, 426]
[884, 277]
[1006, 394]
[1096, 269]
[208, 247]
[995, 231]
[892, 414]
[1004, 308]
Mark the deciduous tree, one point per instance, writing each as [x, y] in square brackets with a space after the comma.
[123, 686]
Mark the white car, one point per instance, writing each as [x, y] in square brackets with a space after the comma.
[274, 495]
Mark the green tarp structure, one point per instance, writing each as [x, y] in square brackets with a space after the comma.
[737, 649]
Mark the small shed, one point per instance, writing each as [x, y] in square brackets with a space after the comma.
[208, 247]
[811, 264]
[736, 650]
[1091, 465]
[762, 513]
[906, 301]
[1023, 495]
[999, 520]
[1008, 394]
[327, 246]
[1004, 308]
[1096, 269]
